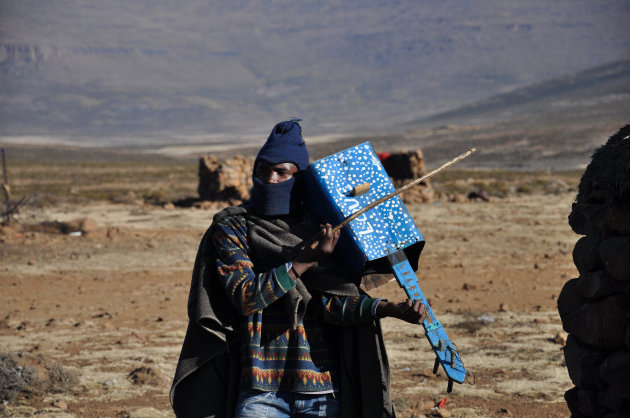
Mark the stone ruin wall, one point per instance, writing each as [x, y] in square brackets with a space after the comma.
[403, 167]
[226, 181]
[595, 307]
[229, 181]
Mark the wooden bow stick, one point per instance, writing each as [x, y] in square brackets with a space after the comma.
[397, 192]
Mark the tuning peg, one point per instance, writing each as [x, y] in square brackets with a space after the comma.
[360, 189]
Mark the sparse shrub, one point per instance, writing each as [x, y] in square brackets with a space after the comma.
[473, 324]
[502, 188]
[32, 375]
[15, 378]
[124, 197]
[156, 197]
[60, 379]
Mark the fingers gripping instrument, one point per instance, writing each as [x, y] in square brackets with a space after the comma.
[377, 233]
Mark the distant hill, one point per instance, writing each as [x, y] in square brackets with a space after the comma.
[596, 95]
[192, 71]
[556, 124]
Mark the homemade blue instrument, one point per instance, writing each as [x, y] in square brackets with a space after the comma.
[384, 239]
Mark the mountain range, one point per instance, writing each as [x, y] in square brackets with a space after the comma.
[151, 73]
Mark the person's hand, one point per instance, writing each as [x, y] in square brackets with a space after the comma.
[412, 312]
[318, 247]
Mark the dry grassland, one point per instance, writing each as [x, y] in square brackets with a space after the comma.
[109, 306]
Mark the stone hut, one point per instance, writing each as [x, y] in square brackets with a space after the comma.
[595, 307]
[227, 180]
[403, 167]
[230, 180]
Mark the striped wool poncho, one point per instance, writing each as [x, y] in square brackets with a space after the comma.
[276, 357]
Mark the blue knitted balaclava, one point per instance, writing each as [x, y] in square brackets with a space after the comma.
[284, 145]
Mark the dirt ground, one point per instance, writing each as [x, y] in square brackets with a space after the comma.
[110, 305]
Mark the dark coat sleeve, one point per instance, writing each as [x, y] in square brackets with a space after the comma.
[206, 377]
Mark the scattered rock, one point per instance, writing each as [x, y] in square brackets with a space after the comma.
[102, 315]
[144, 375]
[58, 403]
[481, 195]
[503, 307]
[40, 347]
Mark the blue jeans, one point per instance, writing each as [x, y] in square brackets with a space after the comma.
[254, 403]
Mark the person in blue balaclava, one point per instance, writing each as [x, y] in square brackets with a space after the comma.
[277, 328]
[275, 191]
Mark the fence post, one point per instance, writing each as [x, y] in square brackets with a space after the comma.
[5, 188]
